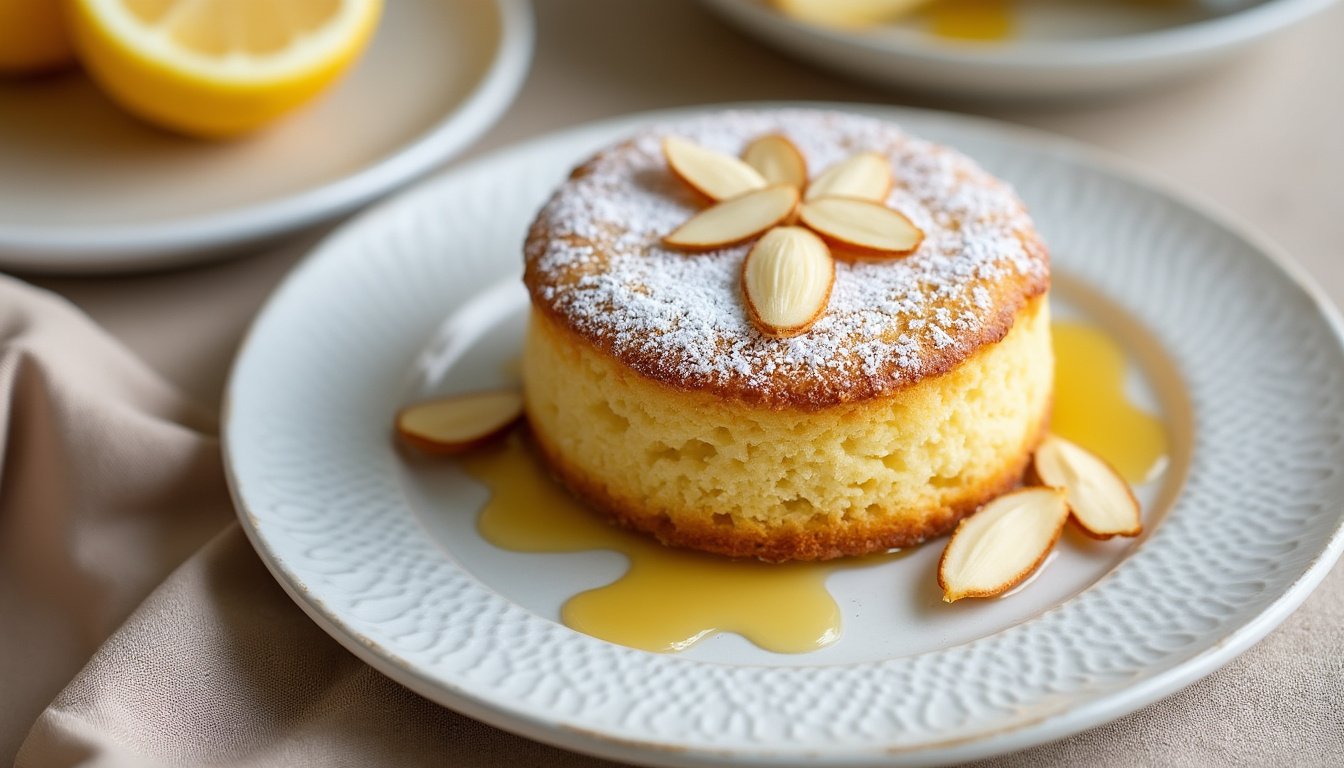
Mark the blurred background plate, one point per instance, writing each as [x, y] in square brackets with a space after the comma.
[1056, 47]
[86, 188]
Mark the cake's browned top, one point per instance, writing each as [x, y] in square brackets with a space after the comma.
[596, 263]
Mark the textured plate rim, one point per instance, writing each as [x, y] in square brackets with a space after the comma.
[1169, 43]
[202, 237]
[1091, 714]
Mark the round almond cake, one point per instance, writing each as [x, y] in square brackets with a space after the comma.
[916, 395]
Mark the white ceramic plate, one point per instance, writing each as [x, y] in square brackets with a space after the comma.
[86, 188]
[1061, 47]
[419, 295]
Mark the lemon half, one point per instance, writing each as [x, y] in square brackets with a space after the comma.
[218, 68]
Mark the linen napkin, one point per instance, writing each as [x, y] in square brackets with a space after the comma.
[138, 628]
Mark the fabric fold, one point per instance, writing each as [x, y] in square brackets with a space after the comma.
[108, 480]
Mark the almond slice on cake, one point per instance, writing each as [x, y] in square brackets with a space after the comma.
[1101, 502]
[460, 423]
[778, 160]
[734, 221]
[861, 227]
[715, 175]
[994, 549]
[866, 176]
[786, 281]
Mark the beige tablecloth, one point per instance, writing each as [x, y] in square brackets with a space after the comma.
[138, 628]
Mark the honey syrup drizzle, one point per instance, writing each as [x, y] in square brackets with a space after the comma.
[669, 599]
[971, 19]
[1092, 409]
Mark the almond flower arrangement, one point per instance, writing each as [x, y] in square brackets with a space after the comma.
[788, 274]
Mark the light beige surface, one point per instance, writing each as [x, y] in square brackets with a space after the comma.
[109, 479]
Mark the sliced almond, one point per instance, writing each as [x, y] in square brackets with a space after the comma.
[994, 549]
[778, 160]
[786, 280]
[736, 220]
[861, 227]
[1102, 503]
[458, 424]
[866, 176]
[713, 174]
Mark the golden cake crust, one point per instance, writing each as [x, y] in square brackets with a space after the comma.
[596, 265]
[698, 471]
[776, 545]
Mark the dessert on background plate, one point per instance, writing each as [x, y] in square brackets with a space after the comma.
[915, 395]
[1014, 49]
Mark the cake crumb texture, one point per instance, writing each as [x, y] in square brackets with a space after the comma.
[700, 471]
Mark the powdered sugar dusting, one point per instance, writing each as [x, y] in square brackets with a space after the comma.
[595, 259]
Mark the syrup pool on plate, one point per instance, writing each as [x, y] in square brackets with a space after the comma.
[1091, 407]
[971, 19]
[670, 599]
